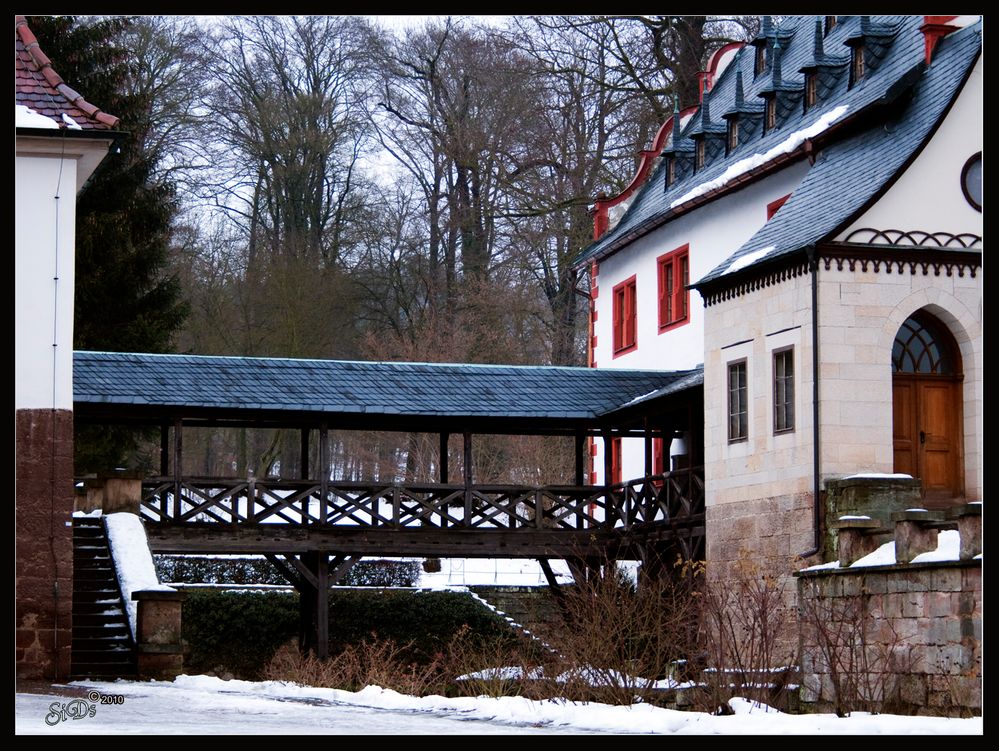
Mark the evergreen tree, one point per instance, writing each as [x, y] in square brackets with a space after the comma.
[125, 302]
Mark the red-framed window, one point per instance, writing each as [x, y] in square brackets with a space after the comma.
[625, 317]
[674, 297]
[774, 206]
[615, 448]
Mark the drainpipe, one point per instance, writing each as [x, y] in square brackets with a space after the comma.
[813, 265]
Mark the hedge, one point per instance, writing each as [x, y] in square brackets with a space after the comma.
[237, 633]
[192, 569]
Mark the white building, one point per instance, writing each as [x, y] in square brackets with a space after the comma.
[811, 234]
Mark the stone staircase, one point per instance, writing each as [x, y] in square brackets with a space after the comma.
[102, 640]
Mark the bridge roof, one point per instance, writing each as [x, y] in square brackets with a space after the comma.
[132, 387]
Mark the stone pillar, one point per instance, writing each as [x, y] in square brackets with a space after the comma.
[158, 634]
[969, 527]
[122, 491]
[857, 538]
[914, 533]
[43, 539]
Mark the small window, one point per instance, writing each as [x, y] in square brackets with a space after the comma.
[784, 390]
[811, 90]
[699, 154]
[774, 206]
[674, 297]
[733, 135]
[971, 181]
[760, 64]
[857, 64]
[830, 24]
[625, 321]
[670, 171]
[738, 402]
[771, 114]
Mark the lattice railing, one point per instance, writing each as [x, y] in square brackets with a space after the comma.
[659, 499]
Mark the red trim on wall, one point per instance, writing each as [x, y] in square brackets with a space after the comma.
[601, 221]
[774, 206]
[615, 477]
[624, 310]
[673, 271]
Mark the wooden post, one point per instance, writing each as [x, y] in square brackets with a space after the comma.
[608, 462]
[304, 472]
[322, 606]
[306, 611]
[164, 449]
[324, 473]
[580, 449]
[467, 450]
[178, 465]
[442, 468]
[648, 448]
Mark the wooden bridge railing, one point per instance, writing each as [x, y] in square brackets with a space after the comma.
[659, 499]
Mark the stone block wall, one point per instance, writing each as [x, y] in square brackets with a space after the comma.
[43, 539]
[922, 624]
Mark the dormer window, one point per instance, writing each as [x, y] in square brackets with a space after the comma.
[770, 116]
[857, 64]
[761, 60]
[811, 90]
[670, 171]
[829, 24]
[732, 137]
[699, 154]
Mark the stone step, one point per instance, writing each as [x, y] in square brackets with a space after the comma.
[105, 670]
[108, 630]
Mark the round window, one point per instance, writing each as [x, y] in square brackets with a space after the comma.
[971, 181]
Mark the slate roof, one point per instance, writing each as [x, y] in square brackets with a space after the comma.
[850, 171]
[332, 387]
[38, 87]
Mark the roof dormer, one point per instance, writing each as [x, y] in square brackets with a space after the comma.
[868, 47]
[781, 97]
[821, 71]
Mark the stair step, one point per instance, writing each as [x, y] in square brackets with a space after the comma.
[103, 670]
[99, 632]
[94, 620]
[93, 574]
[98, 608]
[94, 585]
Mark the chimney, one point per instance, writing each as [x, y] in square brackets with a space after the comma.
[934, 28]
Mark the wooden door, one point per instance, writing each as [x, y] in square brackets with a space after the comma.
[926, 434]
[926, 409]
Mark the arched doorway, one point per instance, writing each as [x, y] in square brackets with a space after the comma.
[927, 407]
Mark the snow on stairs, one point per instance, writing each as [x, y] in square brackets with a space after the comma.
[102, 640]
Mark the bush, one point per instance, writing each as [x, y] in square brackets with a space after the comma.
[192, 569]
[237, 633]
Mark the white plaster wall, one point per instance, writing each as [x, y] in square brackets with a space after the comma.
[44, 243]
[928, 195]
[713, 232]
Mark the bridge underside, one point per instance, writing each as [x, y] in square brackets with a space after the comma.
[613, 544]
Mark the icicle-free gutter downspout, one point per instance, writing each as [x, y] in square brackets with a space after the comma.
[813, 265]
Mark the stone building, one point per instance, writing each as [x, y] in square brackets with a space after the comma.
[810, 232]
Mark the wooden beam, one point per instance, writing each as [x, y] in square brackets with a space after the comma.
[178, 464]
[342, 565]
[324, 472]
[442, 459]
[304, 569]
[165, 448]
[467, 451]
[648, 448]
[293, 579]
[322, 606]
[304, 463]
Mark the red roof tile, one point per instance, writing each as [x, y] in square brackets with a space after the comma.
[39, 87]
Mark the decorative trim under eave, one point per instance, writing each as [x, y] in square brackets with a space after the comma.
[759, 282]
[900, 259]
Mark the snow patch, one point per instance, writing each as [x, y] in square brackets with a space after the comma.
[878, 476]
[132, 560]
[743, 261]
[25, 117]
[948, 548]
[883, 556]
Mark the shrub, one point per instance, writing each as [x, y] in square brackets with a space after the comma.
[197, 569]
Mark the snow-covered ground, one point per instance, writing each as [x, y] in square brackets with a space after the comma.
[201, 705]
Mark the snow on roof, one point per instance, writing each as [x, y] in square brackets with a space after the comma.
[742, 261]
[879, 476]
[786, 146]
[25, 117]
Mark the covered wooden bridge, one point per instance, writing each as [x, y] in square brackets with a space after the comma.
[313, 528]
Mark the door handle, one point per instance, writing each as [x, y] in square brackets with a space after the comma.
[922, 437]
